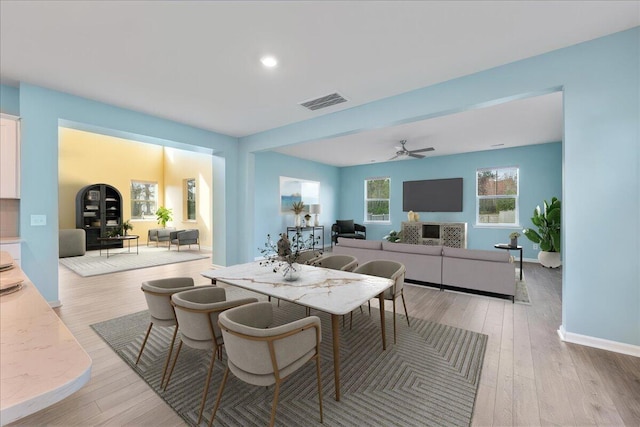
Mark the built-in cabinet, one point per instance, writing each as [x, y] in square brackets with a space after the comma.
[9, 157]
[451, 234]
[99, 213]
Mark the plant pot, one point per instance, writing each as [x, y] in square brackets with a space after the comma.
[514, 243]
[549, 259]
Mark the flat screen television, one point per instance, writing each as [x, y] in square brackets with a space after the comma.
[433, 195]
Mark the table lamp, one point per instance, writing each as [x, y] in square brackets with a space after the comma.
[315, 209]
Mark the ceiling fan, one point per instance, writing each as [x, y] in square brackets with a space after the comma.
[403, 152]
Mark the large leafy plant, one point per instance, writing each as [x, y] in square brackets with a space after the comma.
[164, 215]
[548, 223]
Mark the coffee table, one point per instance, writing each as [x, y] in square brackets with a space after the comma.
[128, 238]
[332, 291]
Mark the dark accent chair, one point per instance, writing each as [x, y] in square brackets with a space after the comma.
[159, 235]
[348, 230]
[185, 237]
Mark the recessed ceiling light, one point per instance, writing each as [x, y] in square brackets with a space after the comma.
[269, 61]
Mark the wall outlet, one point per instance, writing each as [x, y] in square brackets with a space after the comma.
[38, 220]
[535, 246]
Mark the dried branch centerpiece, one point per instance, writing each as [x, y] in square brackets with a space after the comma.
[297, 208]
[283, 255]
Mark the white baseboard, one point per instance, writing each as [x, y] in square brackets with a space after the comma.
[617, 347]
[55, 304]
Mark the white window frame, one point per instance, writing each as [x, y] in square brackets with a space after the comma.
[146, 216]
[516, 196]
[366, 200]
[186, 200]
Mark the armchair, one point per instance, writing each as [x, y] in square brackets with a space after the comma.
[184, 237]
[348, 230]
[159, 235]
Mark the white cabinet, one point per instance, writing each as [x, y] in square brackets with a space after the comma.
[9, 157]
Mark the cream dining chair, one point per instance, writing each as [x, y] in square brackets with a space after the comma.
[197, 312]
[391, 270]
[262, 355]
[158, 295]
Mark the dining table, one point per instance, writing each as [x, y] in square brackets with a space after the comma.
[331, 291]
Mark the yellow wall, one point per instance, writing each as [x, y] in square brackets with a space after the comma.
[87, 158]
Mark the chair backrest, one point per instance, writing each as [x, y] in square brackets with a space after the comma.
[158, 295]
[337, 262]
[258, 352]
[307, 257]
[189, 235]
[385, 268]
[197, 313]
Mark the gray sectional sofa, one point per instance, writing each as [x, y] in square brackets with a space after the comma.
[474, 269]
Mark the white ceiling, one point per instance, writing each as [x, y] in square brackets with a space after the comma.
[197, 62]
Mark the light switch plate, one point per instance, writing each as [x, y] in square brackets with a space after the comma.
[38, 220]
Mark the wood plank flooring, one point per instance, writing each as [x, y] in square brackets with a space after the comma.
[529, 376]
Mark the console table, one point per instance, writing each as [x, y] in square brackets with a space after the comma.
[451, 234]
[508, 247]
[311, 229]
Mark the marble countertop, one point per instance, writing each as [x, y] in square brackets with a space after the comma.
[331, 291]
[41, 362]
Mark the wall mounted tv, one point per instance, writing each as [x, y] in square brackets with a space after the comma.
[433, 195]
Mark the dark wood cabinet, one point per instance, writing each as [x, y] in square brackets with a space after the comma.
[99, 213]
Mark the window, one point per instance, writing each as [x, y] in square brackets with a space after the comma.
[376, 200]
[144, 198]
[497, 196]
[190, 199]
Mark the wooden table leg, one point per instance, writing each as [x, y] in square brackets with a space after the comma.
[382, 326]
[335, 334]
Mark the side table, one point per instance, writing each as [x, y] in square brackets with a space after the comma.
[508, 247]
[312, 229]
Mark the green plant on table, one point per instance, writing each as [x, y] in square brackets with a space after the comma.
[164, 215]
[548, 222]
[126, 226]
[514, 235]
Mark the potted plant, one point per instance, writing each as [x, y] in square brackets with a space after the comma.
[126, 226]
[548, 234]
[514, 239]
[297, 208]
[164, 215]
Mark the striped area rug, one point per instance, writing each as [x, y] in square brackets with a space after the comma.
[429, 378]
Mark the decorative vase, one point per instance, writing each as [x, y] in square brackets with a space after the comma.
[514, 242]
[291, 272]
[550, 259]
[298, 220]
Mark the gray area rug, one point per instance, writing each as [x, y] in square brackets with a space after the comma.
[94, 264]
[430, 378]
[522, 292]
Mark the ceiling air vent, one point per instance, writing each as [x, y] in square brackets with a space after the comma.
[324, 101]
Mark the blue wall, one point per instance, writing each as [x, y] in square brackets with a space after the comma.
[41, 111]
[540, 179]
[9, 100]
[269, 166]
[600, 80]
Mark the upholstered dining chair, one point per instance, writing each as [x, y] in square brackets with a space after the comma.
[336, 262]
[158, 295]
[262, 355]
[197, 312]
[391, 270]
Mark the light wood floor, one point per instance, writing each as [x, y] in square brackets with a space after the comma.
[529, 376]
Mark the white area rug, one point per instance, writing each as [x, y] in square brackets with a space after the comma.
[92, 264]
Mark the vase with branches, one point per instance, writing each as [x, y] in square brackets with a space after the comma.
[297, 208]
[283, 255]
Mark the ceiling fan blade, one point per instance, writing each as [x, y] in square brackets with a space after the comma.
[394, 157]
[423, 150]
[416, 156]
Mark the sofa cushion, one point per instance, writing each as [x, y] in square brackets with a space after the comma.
[346, 226]
[362, 244]
[414, 249]
[477, 254]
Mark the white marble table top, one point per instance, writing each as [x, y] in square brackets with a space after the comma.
[331, 291]
[41, 362]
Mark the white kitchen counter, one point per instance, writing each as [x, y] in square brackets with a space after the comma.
[41, 362]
